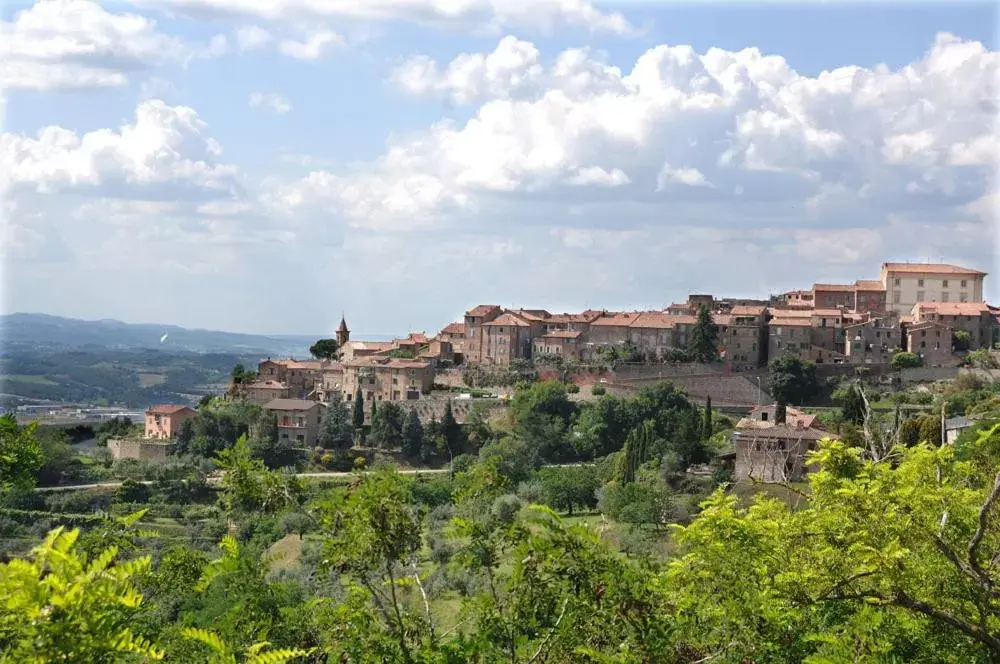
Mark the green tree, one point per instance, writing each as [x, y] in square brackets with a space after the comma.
[905, 360]
[374, 409]
[374, 534]
[960, 340]
[387, 427]
[706, 428]
[636, 451]
[569, 487]
[454, 436]
[930, 430]
[477, 428]
[60, 605]
[541, 414]
[909, 432]
[358, 416]
[780, 413]
[792, 380]
[853, 409]
[413, 435]
[20, 454]
[337, 430]
[248, 487]
[324, 349]
[703, 344]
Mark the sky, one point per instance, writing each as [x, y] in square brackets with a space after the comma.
[266, 165]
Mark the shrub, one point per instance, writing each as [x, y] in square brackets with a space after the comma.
[906, 361]
[572, 388]
[505, 508]
[598, 390]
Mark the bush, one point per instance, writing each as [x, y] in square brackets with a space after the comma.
[132, 491]
[598, 390]
[572, 388]
[433, 493]
[505, 508]
[906, 361]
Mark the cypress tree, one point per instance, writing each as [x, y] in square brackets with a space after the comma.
[780, 413]
[413, 435]
[704, 342]
[359, 410]
[854, 406]
[706, 429]
[374, 408]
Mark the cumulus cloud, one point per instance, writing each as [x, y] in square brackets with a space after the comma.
[165, 153]
[699, 128]
[79, 44]
[478, 14]
[270, 100]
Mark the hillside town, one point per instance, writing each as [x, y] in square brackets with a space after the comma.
[916, 315]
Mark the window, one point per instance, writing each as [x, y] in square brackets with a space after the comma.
[895, 282]
[754, 348]
[920, 283]
[920, 296]
[963, 297]
[944, 296]
[896, 297]
[944, 283]
[963, 283]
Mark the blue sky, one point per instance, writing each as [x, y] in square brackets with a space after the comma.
[422, 162]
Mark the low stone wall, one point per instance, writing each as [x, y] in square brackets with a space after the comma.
[144, 450]
[928, 374]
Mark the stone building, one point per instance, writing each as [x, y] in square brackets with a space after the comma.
[975, 318]
[262, 391]
[874, 341]
[562, 343]
[474, 348]
[298, 420]
[165, 420]
[387, 379]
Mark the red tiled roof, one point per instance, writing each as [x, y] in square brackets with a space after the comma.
[616, 319]
[454, 328]
[562, 334]
[925, 323]
[654, 320]
[828, 313]
[791, 313]
[532, 314]
[952, 308]
[267, 385]
[508, 319]
[482, 310]
[790, 322]
[931, 268]
[370, 345]
[166, 409]
[391, 363]
[832, 287]
[747, 310]
[869, 285]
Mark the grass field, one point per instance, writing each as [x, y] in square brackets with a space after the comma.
[29, 380]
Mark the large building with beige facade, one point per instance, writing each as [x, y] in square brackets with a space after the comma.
[908, 284]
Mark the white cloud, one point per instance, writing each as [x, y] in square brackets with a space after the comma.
[313, 47]
[690, 177]
[481, 14]
[165, 153]
[271, 100]
[252, 37]
[595, 175]
[79, 44]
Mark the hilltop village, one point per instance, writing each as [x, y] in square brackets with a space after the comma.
[932, 313]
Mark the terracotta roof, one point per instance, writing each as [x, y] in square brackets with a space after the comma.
[583, 317]
[167, 409]
[267, 385]
[931, 268]
[290, 404]
[390, 363]
[784, 432]
[791, 313]
[683, 319]
[792, 415]
[655, 320]
[747, 310]
[454, 328]
[790, 322]
[616, 319]
[532, 314]
[562, 334]
[482, 310]
[829, 313]
[800, 293]
[952, 308]
[419, 337]
[925, 323]
[832, 287]
[370, 345]
[869, 285]
[509, 320]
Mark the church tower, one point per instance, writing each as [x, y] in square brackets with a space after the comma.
[343, 334]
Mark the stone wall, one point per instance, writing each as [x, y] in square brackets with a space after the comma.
[138, 449]
[433, 407]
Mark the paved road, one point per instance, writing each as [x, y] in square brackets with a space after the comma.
[214, 479]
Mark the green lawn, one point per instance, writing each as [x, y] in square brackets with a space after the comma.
[33, 380]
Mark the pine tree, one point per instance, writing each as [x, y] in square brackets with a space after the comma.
[413, 435]
[704, 342]
[359, 410]
[337, 431]
[706, 429]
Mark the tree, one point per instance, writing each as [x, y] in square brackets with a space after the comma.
[248, 487]
[358, 417]
[20, 454]
[413, 435]
[387, 427]
[960, 340]
[337, 430]
[477, 428]
[703, 344]
[706, 427]
[61, 606]
[570, 487]
[854, 409]
[780, 413]
[454, 436]
[930, 430]
[636, 452]
[541, 414]
[374, 409]
[905, 361]
[792, 380]
[324, 349]
[265, 444]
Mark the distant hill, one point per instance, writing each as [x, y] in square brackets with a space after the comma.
[42, 330]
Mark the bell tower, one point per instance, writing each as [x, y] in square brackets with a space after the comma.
[343, 334]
